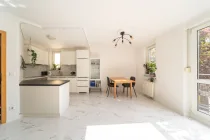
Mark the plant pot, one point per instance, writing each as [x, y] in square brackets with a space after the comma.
[152, 74]
[151, 79]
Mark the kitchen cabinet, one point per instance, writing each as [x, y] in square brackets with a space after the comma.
[83, 68]
[72, 83]
[82, 54]
[68, 57]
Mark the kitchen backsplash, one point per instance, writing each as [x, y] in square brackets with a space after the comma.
[65, 70]
[34, 71]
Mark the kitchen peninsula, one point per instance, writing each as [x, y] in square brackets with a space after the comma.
[44, 98]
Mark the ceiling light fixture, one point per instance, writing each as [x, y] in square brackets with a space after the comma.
[50, 37]
[122, 37]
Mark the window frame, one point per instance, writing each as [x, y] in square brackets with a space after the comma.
[54, 52]
[149, 54]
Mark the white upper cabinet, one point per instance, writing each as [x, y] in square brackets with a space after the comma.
[68, 57]
[82, 54]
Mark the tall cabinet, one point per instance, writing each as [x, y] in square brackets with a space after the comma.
[83, 70]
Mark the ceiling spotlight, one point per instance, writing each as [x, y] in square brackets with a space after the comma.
[123, 34]
[50, 37]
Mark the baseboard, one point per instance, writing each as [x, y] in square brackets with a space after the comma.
[42, 115]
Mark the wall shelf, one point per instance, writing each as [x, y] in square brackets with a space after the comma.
[95, 81]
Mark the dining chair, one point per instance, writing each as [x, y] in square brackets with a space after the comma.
[127, 85]
[110, 85]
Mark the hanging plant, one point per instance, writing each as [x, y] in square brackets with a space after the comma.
[33, 56]
[23, 64]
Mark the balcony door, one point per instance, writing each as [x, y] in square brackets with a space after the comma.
[199, 56]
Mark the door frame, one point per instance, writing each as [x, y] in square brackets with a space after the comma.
[3, 77]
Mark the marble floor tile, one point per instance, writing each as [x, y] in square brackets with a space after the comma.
[97, 117]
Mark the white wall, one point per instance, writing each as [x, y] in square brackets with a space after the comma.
[171, 86]
[170, 69]
[10, 24]
[140, 71]
[115, 62]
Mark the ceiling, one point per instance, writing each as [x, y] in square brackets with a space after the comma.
[103, 19]
[53, 37]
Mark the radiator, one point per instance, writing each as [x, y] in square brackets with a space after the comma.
[148, 88]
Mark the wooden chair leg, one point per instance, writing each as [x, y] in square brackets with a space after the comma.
[116, 91]
[134, 91]
[123, 89]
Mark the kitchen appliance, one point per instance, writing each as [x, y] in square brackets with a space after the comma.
[73, 73]
[83, 71]
[44, 73]
[49, 73]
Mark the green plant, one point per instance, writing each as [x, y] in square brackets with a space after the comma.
[23, 64]
[34, 56]
[54, 66]
[151, 66]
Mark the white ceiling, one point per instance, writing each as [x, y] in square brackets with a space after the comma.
[102, 19]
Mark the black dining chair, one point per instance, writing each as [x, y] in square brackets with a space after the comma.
[127, 85]
[110, 85]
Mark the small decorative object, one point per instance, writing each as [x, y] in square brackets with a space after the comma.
[34, 56]
[23, 64]
[123, 38]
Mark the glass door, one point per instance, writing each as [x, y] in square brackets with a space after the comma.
[199, 49]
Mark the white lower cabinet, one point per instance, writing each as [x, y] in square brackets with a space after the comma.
[83, 85]
[73, 86]
[72, 83]
[83, 89]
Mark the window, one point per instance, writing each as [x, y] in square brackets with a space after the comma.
[151, 54]
[57, 57]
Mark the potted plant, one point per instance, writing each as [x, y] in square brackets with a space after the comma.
[54, 66]
[152, 68]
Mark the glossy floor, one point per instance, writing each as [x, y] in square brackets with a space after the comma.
[96, 117]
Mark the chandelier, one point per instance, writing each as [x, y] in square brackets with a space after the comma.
[123, 34]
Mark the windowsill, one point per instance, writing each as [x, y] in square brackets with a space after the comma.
[148, 75]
